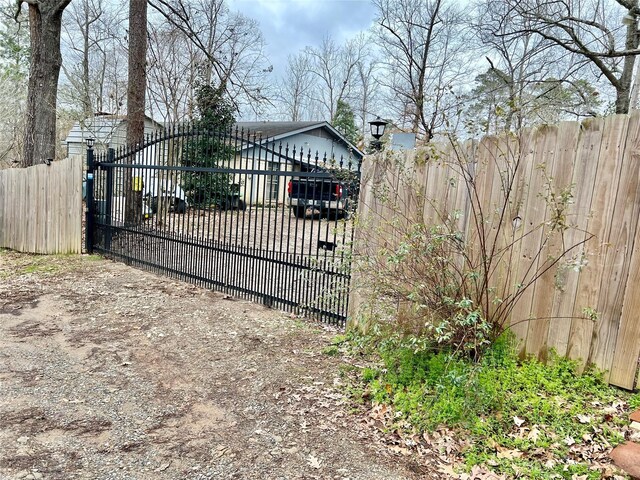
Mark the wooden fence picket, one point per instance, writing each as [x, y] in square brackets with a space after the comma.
[41, 208]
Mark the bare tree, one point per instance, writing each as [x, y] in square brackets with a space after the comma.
[592, 30]
[528, 79]
[516, 62]
[45, 24]
[93, 48]
[423, 44]
[335, 69]
[230, 47]
[366, 90]
[85, 14]
[172, 73]
[137, 70]
[296, 87]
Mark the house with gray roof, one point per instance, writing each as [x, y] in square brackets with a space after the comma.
[294, 147]
[319, 137]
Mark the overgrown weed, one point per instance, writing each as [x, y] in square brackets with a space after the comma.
[515, 417]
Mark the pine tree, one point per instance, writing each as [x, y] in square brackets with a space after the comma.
[344, 121]
[209, 148]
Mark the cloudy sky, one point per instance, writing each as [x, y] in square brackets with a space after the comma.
[290, 25]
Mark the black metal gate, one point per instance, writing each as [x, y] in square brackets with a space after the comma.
[231, 211]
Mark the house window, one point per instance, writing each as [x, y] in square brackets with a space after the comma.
[273, 182]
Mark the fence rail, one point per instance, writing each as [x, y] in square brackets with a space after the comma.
[600, 160]
[41, 208]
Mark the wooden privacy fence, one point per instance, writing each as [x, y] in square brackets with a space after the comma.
[41, 208]
[599, 162]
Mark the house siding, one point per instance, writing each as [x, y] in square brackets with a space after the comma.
[107, 132]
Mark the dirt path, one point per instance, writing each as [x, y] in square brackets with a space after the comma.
[107, 372]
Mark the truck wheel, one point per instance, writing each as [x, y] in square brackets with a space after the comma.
[242, 205]
[299, 211]
[333, 215]
[154, 205]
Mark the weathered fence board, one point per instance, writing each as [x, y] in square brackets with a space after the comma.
[562, 306]
[600, 160]
[623, 228]
[41, 208]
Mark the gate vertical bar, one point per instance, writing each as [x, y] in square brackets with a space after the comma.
[90, 215]
[109, 200]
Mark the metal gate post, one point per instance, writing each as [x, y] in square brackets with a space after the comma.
[109, 199]
[91, 208]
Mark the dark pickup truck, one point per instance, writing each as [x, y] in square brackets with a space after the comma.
[310, 197]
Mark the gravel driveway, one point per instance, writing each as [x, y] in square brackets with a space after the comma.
[107, 372]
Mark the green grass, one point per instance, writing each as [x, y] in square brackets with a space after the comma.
[519, 418]
[17, 264]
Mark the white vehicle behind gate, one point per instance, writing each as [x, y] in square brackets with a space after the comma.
[153, 189]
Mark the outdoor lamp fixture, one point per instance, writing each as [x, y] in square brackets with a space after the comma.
[377, 130]
[90, 142]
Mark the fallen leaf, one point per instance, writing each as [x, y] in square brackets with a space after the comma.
[534, 434]
[448, 469]
[509, 454]
[491, 443]
[584, 419]
[518, 421]
[568, 440]
[400, 450]
[162, 468]
[313, 462]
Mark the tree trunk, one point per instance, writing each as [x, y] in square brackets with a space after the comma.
[45, 23]
[86, 95]
[135, 102]
[623, 89]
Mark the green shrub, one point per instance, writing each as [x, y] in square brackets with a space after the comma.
[445, 271]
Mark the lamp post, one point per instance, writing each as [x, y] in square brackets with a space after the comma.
[377, 130]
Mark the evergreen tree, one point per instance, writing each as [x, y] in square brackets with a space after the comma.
[14, 46]
[14, 74]
[345, 122]
[209, 148]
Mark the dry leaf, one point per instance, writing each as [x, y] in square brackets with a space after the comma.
[568, 440]
[447, 469]
[518, 421]
[534, 434]
[400, 450]
[509, 454]
[584, 419]
[313, 462]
